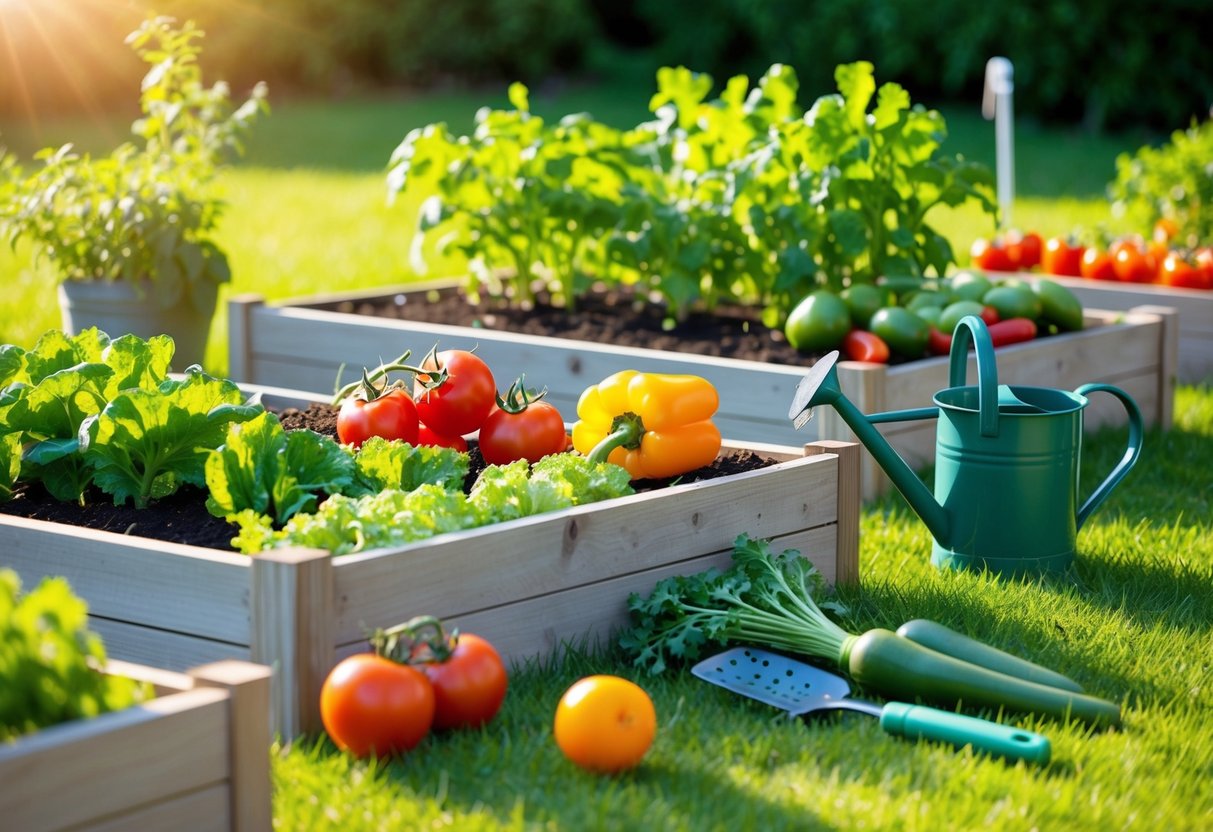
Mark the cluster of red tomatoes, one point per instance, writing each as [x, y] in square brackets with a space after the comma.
[420, 678]
[1128, 259]
[453, 395]
[386, 702]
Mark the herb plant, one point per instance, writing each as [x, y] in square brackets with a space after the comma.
[146, 211]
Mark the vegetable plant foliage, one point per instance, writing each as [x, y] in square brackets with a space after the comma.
[744, 197]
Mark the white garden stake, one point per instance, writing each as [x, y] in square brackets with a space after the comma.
[996, 106]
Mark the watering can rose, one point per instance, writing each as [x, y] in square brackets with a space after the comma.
[653, 424]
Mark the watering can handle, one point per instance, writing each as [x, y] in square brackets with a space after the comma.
[972, 329]
[1132, 450]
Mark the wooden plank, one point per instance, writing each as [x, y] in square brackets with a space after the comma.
[293, 632]
[534, 627]
[542, 554]
[846, 558]
[205, 810]
[114, 761]
[203, 592]
[240, 309]
[166, 649]
[248, 737]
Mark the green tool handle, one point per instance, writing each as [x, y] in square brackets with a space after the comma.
[920, 722]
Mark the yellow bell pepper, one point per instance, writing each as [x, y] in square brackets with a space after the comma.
[655, 425]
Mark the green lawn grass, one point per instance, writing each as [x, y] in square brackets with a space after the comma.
[1131, 622]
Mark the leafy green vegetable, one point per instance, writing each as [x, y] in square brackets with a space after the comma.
[1171, 181]
[145, 444]
[264, 468]
[53, 389]
[765, 599]
[50, 661]
[391, 464]
[392, 516]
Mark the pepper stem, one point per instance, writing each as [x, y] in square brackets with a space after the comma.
[627, 430]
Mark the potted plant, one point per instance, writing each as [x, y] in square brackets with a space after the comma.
[131, 234]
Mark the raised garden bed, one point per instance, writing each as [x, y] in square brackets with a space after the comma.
[309, 343]
[195, 757]
[528, 585]
[1194, 308]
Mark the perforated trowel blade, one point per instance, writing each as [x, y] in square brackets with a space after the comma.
[787, 684]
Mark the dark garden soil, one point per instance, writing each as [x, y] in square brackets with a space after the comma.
[602, 317]
[183, 518]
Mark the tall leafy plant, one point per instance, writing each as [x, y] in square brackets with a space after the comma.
[146, 211]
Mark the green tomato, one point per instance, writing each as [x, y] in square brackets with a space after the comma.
[1013, 302]
[970, 285]
[930, 314]
[819, 322]
[1059, 305]
[929, 297]
[863, 299]
[951, 316]
[904, 332]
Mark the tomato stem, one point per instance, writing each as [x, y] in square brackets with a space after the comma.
[517, 399]
[367, 383]
[409, 643]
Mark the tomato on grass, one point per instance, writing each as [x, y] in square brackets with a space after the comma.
[373, 705]
[455, 391]
[1024, 249]
[466, 672]
[605, 724]
[991, 256]
[522, 426]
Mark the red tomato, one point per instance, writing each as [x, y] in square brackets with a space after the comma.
[459, 395]
[989, 315]
[1176, 271]
[522, 427]
[1130, 262]
[392, 415]
[991, 256]
[1061, 257]
[1204, 262]
[1024, 250]
[605, 724]
[469, 686]
[861, 345]
[373, 705]
[428, 436]
[1098, 265]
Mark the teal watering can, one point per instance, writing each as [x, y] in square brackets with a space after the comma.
[1006, 460]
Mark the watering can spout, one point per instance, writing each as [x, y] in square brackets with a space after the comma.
[821, 387]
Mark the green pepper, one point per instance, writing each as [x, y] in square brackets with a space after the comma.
[885, 662]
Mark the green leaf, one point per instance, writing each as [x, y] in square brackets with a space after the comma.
[147, 443]
[856, 81]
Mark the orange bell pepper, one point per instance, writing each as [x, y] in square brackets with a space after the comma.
[655, 425]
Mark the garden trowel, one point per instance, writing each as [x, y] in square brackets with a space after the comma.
[800, 689]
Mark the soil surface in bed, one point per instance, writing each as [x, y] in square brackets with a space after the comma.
[602, 317]
[183, 518]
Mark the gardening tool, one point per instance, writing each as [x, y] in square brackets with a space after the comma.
[802, 689]
[1006, 460]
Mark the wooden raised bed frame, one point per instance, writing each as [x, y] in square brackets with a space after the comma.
[195, 757]
[294, 345]
[527, 585]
